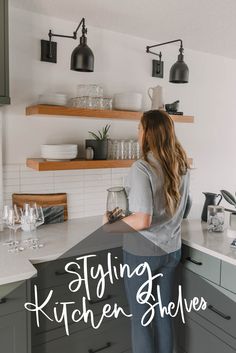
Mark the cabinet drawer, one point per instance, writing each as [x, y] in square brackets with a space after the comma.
[12, 298]
[221, 310]
[52, 274]
[112, 337]
[201, 263]
[228, 276]
[193, 338]
[114, 293]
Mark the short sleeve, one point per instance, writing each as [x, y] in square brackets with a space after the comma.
[139, 190]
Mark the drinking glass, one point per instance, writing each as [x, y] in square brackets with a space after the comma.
[121, 149]
[215, 218]
[115, 150]
[135, 150]
[107, 103]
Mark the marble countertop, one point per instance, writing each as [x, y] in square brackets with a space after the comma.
[60, 238]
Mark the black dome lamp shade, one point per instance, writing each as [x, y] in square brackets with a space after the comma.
[82, 58]
[179, 72]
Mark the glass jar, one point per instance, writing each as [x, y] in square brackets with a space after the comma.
[117, 203]
[215, 218]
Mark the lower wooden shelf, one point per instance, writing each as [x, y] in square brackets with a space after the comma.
[44, 165]
[41, 165]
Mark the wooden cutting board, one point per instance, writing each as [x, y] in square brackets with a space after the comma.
[43, 200]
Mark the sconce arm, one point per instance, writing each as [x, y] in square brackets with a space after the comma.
[158, 45]
[74, 36]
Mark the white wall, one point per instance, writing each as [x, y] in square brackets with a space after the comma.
[121, 65]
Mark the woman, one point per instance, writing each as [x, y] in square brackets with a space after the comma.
[157, 188]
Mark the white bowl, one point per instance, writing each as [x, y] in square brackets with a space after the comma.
[128, 101]
[53, 99]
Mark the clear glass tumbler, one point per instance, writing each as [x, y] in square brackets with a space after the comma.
[215, 218]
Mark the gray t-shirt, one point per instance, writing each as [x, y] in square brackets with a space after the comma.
[144, 188]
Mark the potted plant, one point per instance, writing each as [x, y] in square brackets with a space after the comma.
[99, 142]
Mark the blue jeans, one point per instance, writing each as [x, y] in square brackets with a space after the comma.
[157, 337]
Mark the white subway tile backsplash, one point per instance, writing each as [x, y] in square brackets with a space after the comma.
[68, 179]
[37, 189]
[11, 168]
[102, 171]
[68, 187]
[69, 173]
[86, 189]
[11, 188]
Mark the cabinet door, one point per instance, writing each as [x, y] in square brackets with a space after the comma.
[4, 66]
[221, 310]
[193, 338]
[13, 334]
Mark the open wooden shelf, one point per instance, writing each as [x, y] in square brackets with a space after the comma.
[41, 165]
[53, 110]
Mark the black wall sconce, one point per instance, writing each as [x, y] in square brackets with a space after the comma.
[179, 72]
[82, 58]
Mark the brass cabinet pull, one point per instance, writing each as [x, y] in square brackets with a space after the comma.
[100, 300]
[212, 308]
[193, 261]
[3, 300]
[108, 344]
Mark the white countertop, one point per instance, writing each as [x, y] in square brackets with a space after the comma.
[61, 238]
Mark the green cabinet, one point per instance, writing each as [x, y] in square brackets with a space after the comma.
[4, 55]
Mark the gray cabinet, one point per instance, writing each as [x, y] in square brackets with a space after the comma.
[113, 336]
[4, 55]
[228, 276]
[195, 338]
[13, 319]
[201, 263]
[213, 329]
[13, 333]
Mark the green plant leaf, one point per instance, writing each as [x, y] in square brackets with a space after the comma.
[95, 136]
[101, 134]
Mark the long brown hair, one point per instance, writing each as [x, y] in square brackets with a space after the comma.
[159, 138]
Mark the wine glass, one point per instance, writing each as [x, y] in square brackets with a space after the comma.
[34, 217]
[12, 221]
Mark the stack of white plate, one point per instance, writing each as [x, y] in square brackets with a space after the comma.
[53, 99]
[59, 152]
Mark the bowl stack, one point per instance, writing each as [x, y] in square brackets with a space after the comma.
[59, 152]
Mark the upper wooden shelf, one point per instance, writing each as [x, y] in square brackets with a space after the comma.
[53, 110]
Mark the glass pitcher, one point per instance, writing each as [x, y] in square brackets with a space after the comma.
[117, 203]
